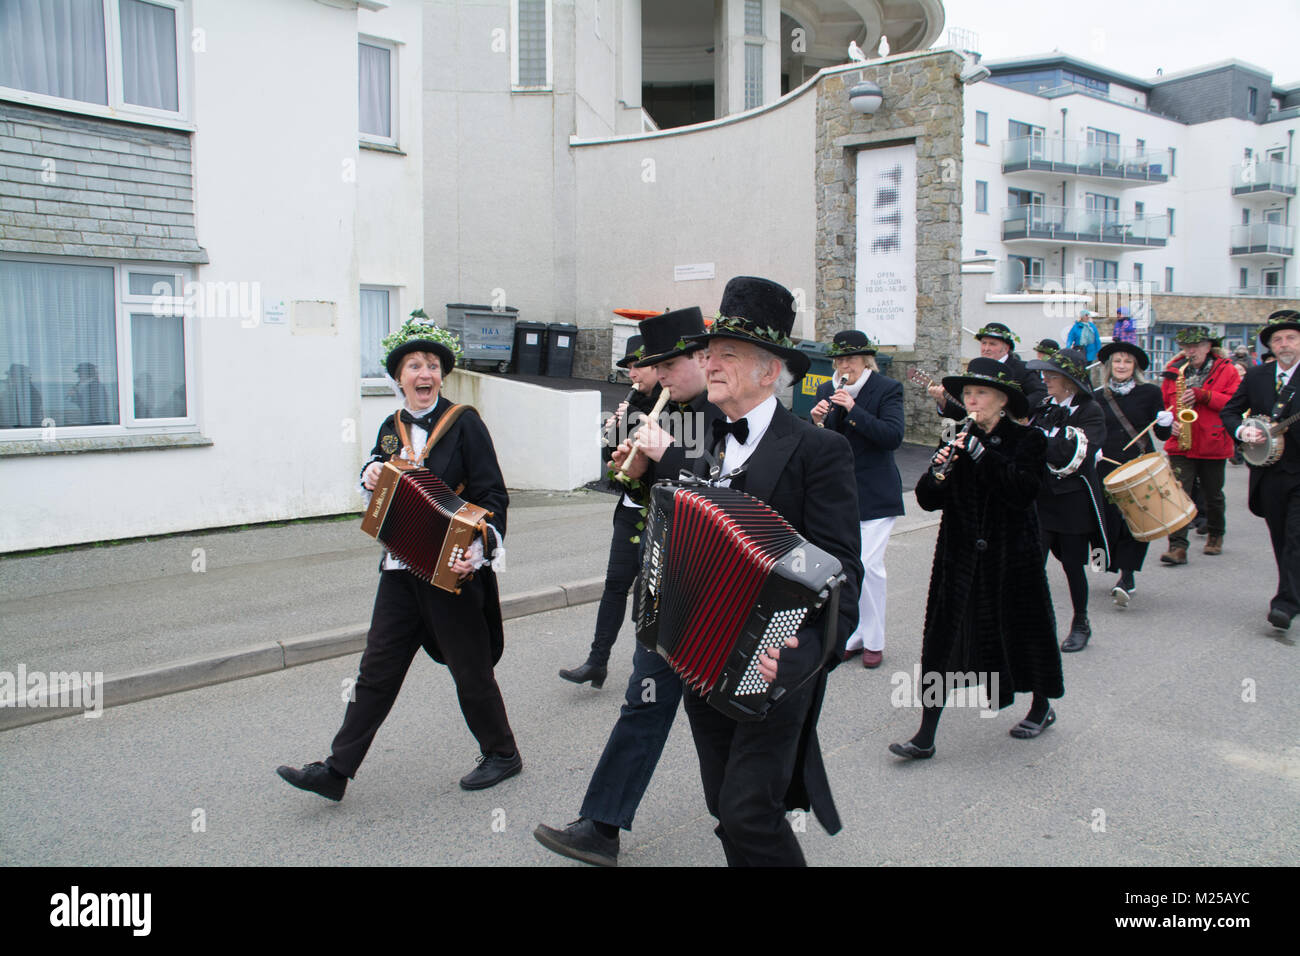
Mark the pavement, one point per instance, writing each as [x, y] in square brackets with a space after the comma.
[1175, 743]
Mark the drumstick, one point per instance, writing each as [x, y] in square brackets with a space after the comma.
[636, 445]
[1111, 461]
[1139, 435]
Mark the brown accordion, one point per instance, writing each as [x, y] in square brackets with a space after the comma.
[423, 522]
[723, 578]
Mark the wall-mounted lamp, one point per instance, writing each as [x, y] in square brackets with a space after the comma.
[865, 98]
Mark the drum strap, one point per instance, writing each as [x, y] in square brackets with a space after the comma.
[1123, 419]
[444, 425]
[1279, 407]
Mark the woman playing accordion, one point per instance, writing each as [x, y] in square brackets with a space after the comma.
[462, 630]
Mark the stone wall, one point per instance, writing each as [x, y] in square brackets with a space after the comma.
[592, 360]
[1218, 309]
[922, 105]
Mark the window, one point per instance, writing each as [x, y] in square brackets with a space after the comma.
[377, 84]
[530, 44]
[1140, 146]
[111, 57]
[1252, 100]
[1172, 155]
[1169, 212]
[1100, 270]
[1139, 209]
[376, 322]
[981, 196]
[1169, 278]
[981, 127]
[1244, 278]
[1033, 271]
[1137, 272]
[753, 75]
[87, 344]
[1103, 146]
[1245, 217]
[754, 18]
[1246, 155]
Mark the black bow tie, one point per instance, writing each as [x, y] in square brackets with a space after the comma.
[722, 429]
[425, 422]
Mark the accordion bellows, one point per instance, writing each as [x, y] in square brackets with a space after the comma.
[417, 517]
[723, 578]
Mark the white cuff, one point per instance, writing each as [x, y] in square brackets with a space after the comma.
[1165, 418]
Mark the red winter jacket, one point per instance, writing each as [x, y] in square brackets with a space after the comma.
[1209, 438]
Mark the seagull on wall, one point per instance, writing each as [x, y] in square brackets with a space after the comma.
[883, 49]
[855, 52]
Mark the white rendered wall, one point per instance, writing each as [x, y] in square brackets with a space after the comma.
[648, 204]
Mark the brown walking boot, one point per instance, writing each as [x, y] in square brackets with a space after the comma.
[1214, 544]
[1174, 556]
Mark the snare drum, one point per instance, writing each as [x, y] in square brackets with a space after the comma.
[1149, 497]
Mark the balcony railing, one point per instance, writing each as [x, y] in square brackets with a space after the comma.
[1011, 279]
[1266, 177]
[1071, 157]
[1063, 224]
[1266, 238]
[1270, 291]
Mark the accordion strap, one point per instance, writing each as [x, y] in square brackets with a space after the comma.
[448, 419]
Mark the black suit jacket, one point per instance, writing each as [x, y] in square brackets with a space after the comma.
[465, 455]
[806, 475]
[874, 429]
[1031, 383]
[1257, 394]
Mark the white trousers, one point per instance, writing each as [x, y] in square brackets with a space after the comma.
[871, 605]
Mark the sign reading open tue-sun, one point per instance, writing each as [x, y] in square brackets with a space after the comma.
[885, 303]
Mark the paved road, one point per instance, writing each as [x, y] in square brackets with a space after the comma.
[1153, 733]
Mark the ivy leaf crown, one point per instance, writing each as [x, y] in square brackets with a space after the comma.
[997, 334]
[420, 326]
[739, 325]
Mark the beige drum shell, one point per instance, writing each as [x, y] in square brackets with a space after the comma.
[1149, 497]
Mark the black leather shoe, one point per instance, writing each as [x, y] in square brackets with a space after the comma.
[1077, 639]
[1279, 619]
[587, 672]
[491, 770]
[580, 841]
[315, 777]
[911, 751]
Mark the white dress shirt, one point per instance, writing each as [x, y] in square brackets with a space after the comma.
[734, 453]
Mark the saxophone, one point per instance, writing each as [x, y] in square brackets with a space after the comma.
[1185, 414]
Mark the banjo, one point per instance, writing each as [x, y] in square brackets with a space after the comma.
[1261, 454]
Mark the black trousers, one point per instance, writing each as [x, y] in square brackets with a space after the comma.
[746, 769]
[1209, 472]
[402, 623]
[620, 572]
[1279, 496]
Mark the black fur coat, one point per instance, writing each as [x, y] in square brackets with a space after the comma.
[989, 608]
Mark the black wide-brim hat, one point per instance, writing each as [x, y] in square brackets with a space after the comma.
[669, 335]
[1143, 360]
[1071, 363]
[996, 330]
[1047, 345]
[634, 352]
[992, 374]
[1279, 320]
[851, 342]
[394, 361]
[760, 312]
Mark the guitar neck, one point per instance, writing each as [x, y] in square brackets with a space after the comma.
[1278, 428]
[917, 377]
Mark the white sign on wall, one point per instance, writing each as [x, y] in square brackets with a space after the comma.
[696, 270]
[885, 301]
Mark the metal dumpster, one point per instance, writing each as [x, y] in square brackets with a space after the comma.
[486, 334]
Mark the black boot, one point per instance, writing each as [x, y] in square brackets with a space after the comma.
[587, 672]
[1077, 639]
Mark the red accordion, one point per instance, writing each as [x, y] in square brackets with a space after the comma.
[723, 578]
[417, 517]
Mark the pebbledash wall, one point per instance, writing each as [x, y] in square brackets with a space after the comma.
[279, 189]
[922, 105]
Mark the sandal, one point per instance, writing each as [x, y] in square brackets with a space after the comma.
[1026, 729]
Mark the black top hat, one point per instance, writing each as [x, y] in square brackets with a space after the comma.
[634, 352]
[1047, 345]
[996, 330]
[1143, 360]
[1279, 320]
[851, 342]
[1071, 363]
[669, 335]
[1192, 334]
[760, 312]
[992, 374]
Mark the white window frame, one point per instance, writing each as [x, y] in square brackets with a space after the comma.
[117, 107]
[978, 184]
[394, 312]
[393, 90]
[978, 140]
[123, 305]
[515, 86]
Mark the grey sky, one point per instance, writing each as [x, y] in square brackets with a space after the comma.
[1137, 36]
